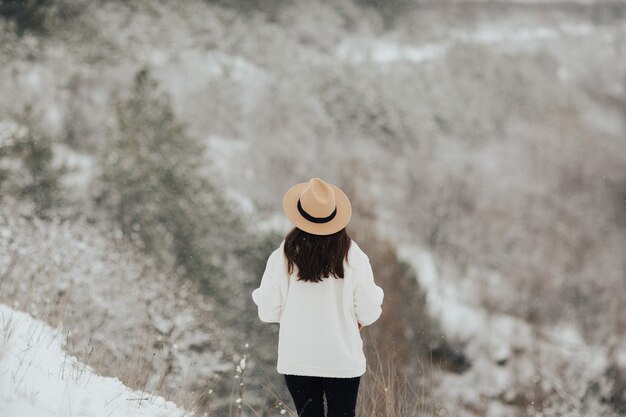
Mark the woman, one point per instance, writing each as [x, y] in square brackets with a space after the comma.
[319, 286]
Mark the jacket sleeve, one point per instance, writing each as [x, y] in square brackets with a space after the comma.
[368, 297]
[268, 296]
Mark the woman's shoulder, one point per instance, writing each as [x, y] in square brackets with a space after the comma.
[277, 258]
[279, 252]
[356, 253]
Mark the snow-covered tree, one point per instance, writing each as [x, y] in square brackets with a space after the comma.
[152, 187]
[26, 162]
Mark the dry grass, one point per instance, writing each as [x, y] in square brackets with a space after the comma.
[386, 392]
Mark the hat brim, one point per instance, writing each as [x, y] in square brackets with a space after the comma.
[341, 219]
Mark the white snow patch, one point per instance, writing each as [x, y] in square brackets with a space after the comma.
[386, 51]
[81, 166]
[37, 378]
[275, 222]
[224, 153]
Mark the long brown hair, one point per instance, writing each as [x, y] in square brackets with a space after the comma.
[316, 256]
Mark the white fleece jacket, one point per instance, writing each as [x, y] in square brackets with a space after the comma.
[319, 333]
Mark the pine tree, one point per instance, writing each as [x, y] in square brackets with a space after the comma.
[153, 188]
[26, 15]
[27, 159]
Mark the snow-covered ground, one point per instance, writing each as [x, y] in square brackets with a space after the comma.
[111, 300]
[39, 379]
[506, 352]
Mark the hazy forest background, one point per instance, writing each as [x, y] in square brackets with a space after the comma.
[145, 147]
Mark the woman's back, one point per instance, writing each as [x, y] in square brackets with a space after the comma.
[319, 333]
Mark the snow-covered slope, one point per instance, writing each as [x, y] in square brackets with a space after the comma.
[509, 355]
[111, 301]
[38, 378]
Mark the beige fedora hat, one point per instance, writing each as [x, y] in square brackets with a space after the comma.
[317, 207]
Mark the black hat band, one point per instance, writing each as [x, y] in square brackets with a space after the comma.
[316, 219]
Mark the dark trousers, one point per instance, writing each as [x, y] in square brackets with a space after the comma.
[308, 391]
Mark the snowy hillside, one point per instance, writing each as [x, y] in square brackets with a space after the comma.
[38, 378]
[111, 301]
[485, 141]
[505, 350]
